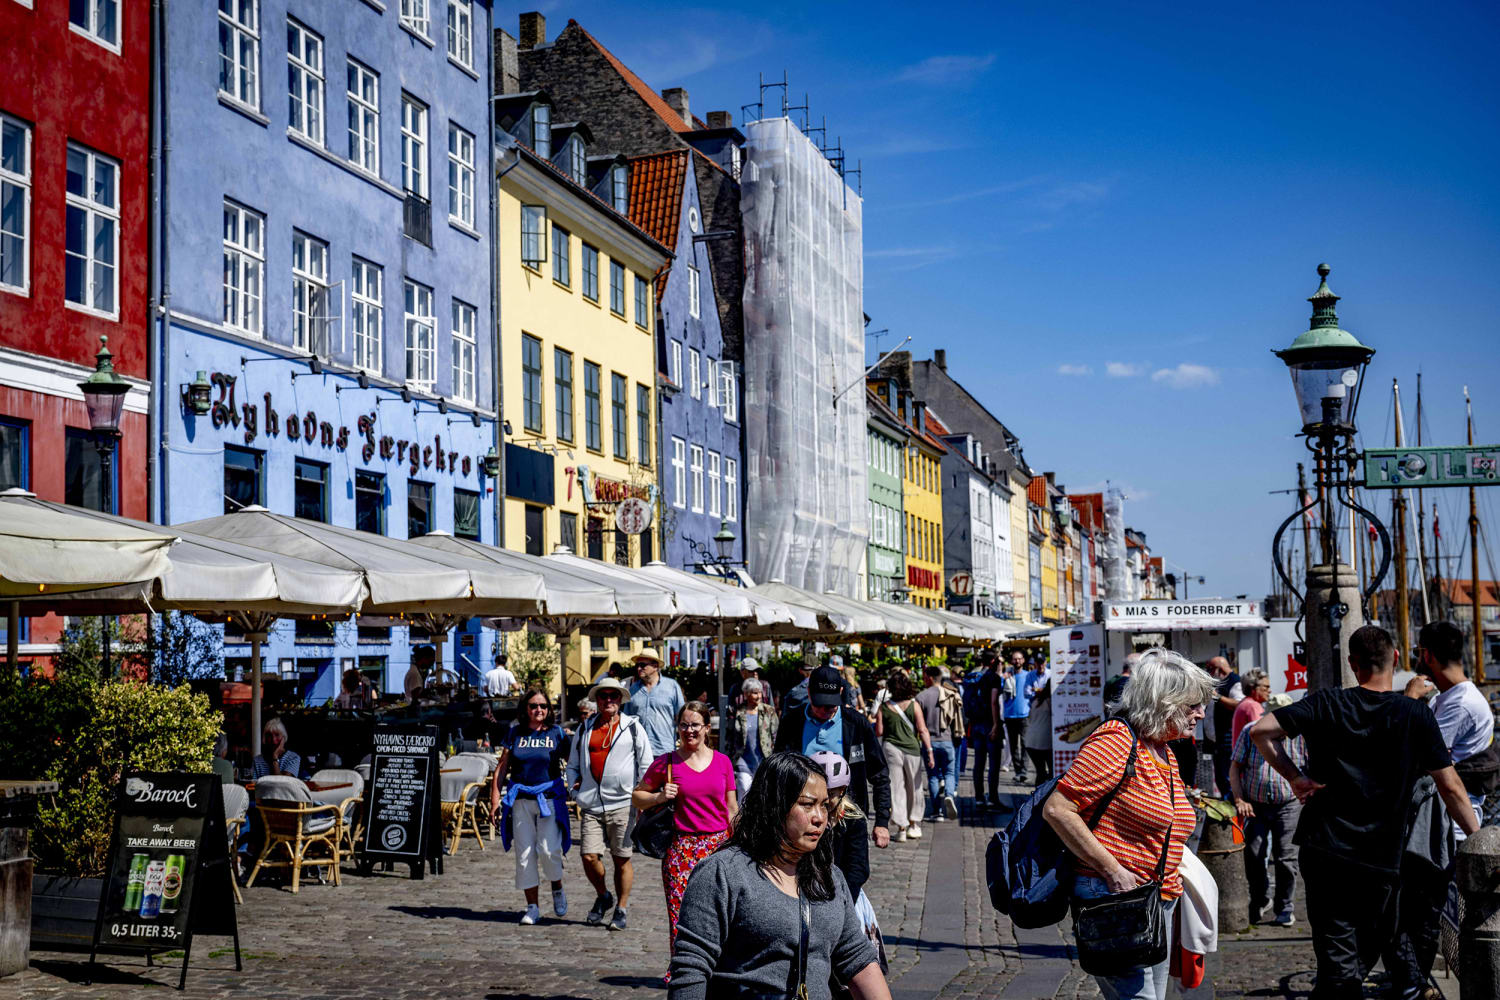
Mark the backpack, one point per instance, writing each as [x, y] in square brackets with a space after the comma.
[1480, 773]
[950, 712]
[1029, 871]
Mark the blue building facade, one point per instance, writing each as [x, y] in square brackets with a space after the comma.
[325, 264]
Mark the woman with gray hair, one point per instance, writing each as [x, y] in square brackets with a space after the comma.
[751, 734]
[1122, 808]
[274, 757]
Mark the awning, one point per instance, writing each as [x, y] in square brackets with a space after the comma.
[744, 614]
[44, 549]
[566, 592]
[847, 616]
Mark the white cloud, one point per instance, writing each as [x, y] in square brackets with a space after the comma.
[1074, 370]
[1186, 376]
[945, 70]
[1123, 369]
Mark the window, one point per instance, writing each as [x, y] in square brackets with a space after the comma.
[15, 204]
[695, 373]
[466, 514]
[679, 472]
[14, 455]
[244, 266]
[619, 391]
[421, 336]
[643, 425]
[464, 319]
[460, 175]
[533, 226]
[536, 541]
[98, 19]
[590, 273]
[83, 476]
[567, 531]
[531, 383]
[577, 162]
[595, 542]
[93, 231]
[593, 433]
[674, 364]
[619, 189]
[562, 264]
[541, 131]
[731, 489]
[364, 117]
[418, 509]
[413, 146]
[244, 478]
[695, 453]
[562, 392]
[367, 314]
[310, 490]
[417, 15]
[695, 294]
[711, 383]
[648, 546]
[715, 484]
[239, 51]
[304, 57]
[369, 502]
[309, 294]
[729, 391]
[617, 288]
[461, 32]
[642, 302]
[622, 549]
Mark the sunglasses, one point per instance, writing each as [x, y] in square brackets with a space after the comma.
[608, 696]
[538, 706]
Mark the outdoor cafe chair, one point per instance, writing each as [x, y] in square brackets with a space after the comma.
[298, 827]
[489, 760]
[236, 810]
[463, 779]
[349, 798]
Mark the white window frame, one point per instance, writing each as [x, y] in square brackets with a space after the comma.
[240, 20]
[417, 15]
[695, 465]
[309, 287]
[460, 175]
[642, 303]
[465, 350]
[96, 214]
[461, 32]
[695, 294]
[731, 488]
[414, 115]
[367, 319]
[695, 373]
[617, 287]
[674, 363]
[729, 391]
[715, 485]
[306, 86]
[244, 270]
[364, 112]
[578, 163]
[712, 382]
[679, 473]
[21, 182]
[421, 335]
[533, 236]
[619, 189]
[541, 137]
[91, 30]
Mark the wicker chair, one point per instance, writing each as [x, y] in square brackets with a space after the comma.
[236, 810]
[349, 800]
[295, 824]
[462, 786]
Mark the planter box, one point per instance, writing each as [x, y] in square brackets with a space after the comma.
[63, 911]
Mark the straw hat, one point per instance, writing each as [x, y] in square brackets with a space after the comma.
[608, 684]
[647, 654]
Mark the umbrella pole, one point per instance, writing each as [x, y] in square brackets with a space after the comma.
[256, 638]
[719, 675]
[13, 635]
[562, 679]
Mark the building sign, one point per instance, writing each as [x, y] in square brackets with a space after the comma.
[1408, 468]
[1077, 671]
[1286, 658]
[883, 563]
[961, 584]
[632, 516]
[1132, 616]
[597, 489]
[924, 579]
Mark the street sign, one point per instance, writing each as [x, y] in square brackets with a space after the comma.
[1427, 468]
[633, 516]
[961, 584]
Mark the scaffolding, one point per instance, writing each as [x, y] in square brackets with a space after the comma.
[806, 495]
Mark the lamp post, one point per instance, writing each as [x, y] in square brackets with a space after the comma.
[104, 396]
[1327, 366]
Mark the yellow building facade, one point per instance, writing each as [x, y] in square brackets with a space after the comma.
[1020, 549]
[922, 502]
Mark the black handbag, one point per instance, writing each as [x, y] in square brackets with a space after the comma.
[1119, 933]
[654, 828]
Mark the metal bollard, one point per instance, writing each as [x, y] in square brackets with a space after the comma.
[1478, 878]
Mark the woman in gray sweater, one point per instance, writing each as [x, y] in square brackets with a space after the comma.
[748, 905]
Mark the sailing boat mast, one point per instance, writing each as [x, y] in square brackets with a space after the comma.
[1474, 554]
[1398, 516]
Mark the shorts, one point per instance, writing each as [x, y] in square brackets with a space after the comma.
[611, 829]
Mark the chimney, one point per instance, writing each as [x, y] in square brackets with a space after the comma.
[1051, 479]
[533, 30]
[720, 119]
[677, 100]
[507, 65]
[940, 358]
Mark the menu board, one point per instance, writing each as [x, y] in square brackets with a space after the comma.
[1077, 689]
[402, 822]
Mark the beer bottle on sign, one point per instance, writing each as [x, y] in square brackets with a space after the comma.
[135, 883]
[171, 890]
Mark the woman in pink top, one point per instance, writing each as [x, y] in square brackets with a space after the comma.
[700, 783]
[1257, 688]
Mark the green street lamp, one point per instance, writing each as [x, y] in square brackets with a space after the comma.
[492, 464]
[1326, 363]
[104, 394]
[724, 539]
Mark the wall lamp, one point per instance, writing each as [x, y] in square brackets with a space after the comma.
[196, 395]
[473, 418]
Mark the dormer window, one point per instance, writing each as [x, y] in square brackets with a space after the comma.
[619, 192]
[577, 162]
[541, 130]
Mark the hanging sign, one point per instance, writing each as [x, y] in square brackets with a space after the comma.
[961, 584]
[1409, 468]
[1130, 616]
[402, 821]
[633, 516]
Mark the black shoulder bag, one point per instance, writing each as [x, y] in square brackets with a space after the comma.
[1127, 930]
[655, 828]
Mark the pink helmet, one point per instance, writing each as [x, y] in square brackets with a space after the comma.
[835, 769]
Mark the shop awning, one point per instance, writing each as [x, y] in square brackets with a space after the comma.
[45, 549]
[847, 616]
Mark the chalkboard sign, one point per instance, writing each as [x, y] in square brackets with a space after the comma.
[402, 822]
[169, 874]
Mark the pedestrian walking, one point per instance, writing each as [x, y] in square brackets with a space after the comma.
[608, 758]
[750, 669]
[1463, 715]
[798, 695]
[1366, 748]
[1038, 740]
[1269, 811]
[498, 681]
[906, 744]
[1138, 834]
[533, 813]
[1228, 694]
[739, 936]
[699, 782]
[1018, 710]
[1257, 688]
[750, 733]
[982, 723]
[851, 850]
[855, 697]
[1115, 689]
[942, 709]
[655, 700]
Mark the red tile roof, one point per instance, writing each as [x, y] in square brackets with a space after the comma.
[1462, 592]
[1036, 491]
[651, 97]
[656, 187]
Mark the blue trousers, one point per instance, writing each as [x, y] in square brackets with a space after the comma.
[942, 777]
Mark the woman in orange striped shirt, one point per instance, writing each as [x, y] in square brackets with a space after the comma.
[1119, 847]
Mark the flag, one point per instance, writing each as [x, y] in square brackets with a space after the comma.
[1371, 529]
[1308, 515]
[1436, 531]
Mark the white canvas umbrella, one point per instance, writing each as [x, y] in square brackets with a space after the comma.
[847, 616]
[44, 549]
[565, 592]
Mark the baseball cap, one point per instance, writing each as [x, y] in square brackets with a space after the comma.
[835, 660]
[825, 688]
[750, 663]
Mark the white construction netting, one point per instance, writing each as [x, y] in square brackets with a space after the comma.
[806, 496]
[1116, 578]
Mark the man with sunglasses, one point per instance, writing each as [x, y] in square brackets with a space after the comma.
[609, 757]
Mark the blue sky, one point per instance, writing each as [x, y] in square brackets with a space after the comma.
[1110, 214]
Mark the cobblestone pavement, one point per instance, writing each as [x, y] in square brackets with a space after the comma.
[456, 935]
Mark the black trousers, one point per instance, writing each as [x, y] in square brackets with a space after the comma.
[1409, 955]
[1042, 761]
[1352, 912]
[985, 748]
[1015, 733]
[1222, 752]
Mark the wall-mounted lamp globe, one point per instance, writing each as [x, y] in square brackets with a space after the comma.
[492, 464]
[196, 395]
[104, 392]
[724, 539]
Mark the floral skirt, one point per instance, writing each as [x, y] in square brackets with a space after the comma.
[682, 857]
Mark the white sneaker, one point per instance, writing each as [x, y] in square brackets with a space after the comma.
[914, 831]
[950, 808]
[900, 837]
[532, 914]
[559, 903]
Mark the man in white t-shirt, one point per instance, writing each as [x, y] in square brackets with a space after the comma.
[498, 682]
[1462, 713]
